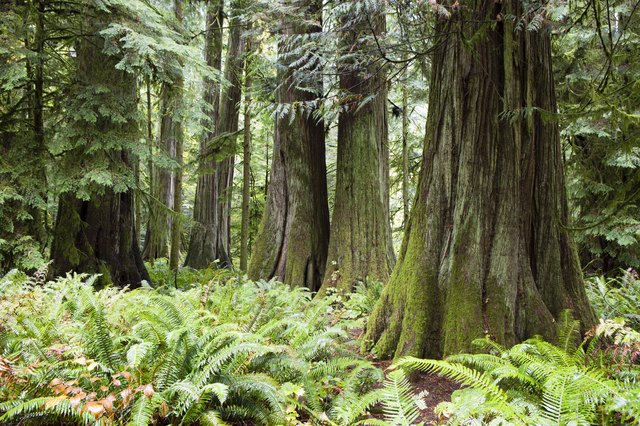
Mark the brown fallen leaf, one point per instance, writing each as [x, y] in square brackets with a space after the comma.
[95, 408]
[54, 401]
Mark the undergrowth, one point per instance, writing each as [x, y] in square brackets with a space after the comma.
[228, 350]
[210, 347]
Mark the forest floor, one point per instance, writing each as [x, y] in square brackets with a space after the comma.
[433, 389]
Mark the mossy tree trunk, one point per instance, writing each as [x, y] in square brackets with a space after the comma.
[485, 252]
[360, 244]
[210, 235]
[97, 234]
[291, 244]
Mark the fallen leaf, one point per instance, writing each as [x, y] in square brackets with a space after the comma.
[58, 389]
[148, 391]
[164, 409]
[54, 401]
[75, 401]
[108, 401]
[126, 397]
[95, 408]
[55, 382]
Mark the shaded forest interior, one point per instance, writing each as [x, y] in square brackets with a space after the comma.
[422, 174]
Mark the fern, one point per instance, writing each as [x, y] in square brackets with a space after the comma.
[144, 409]
[399, 402]
[185, 361]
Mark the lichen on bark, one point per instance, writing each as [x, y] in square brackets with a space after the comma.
[291, 243]
[485, 252]
[360, 247]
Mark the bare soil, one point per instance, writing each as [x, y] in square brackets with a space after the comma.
[439, 389]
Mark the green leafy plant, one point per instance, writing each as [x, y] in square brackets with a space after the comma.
[539, 383]
[226, 350]
[617, 296]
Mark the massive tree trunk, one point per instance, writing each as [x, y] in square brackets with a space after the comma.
[360, 245]
[291, 244]
[485, 252]
[211, 233]
[97, 235]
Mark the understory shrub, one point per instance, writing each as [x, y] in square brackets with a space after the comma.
[226, 350]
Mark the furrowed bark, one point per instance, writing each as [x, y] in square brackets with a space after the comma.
[485, 251]
[291, 244]
[360, 246]
[98, 235]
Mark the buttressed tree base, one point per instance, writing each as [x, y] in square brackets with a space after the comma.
[486, 252]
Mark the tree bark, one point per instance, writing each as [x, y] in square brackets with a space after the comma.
[246, 162]
[291, 244]
[206, 244]
[176, 220]
[360, 246]
[485, 251]
[97, 235]
[158, 235]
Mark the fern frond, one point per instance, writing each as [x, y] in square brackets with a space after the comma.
[398, 400]
[212, 418]
[463, 375]
[144, 409]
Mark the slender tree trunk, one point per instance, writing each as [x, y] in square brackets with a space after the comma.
[203, 237]
[97, 235]
[485, 251]
[246, 163]
[405, 157]
[162, 193]
[291, 244]
[360, 246]
[38, 213]
[36, 227]
[211, 233]
[176, 222]
[164, 224]
[226, 135]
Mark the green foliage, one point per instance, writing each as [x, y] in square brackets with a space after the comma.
[401, 406]
[538, 383]
[616, 297]
[596, 66]
[228, 350]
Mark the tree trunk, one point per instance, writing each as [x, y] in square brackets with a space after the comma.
[246, 162]
[485, 252]
[97, 235]
[291, 244]
[211, 234]
[360, 246]
[158, 235]
[204, 244]
[176, 222]
[405, 155]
